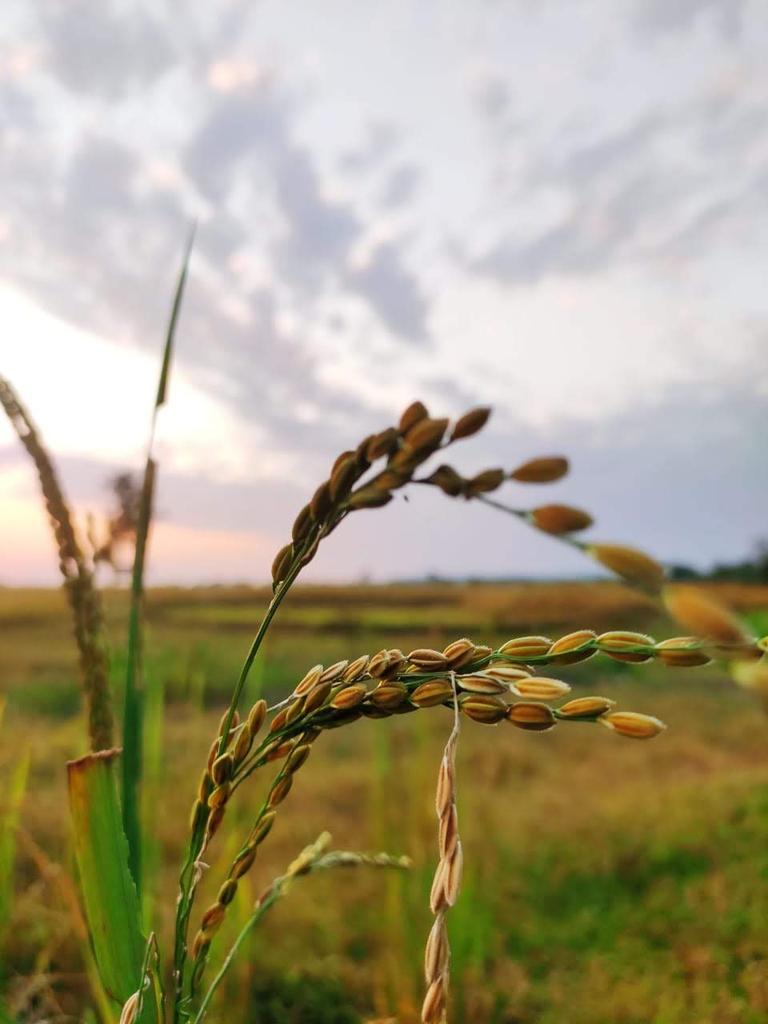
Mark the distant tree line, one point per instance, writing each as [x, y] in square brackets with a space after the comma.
[749, 570]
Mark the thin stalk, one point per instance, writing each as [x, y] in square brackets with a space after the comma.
[188, 880]
[83, 597]
[274, 895]
[310, 860]
[133, 716]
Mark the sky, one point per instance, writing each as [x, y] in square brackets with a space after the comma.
[557, 208]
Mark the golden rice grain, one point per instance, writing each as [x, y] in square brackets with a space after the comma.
[470, 423]
[333, 672]
[282, 561]
[541, 471]
[485, 482]
[560, 519]
[526, 647]
[317, 697]
[280, 791]
[704, 616]
[415, 413]
[633, 565]
[369, 497]
[586, 707]
[538, 688]
[531, 716]
[623, 645]
[388, 695]
[356, 669]
[321, 503]
[682, 652]
[576, 642]
[480, 708]
[448, 480]
[459, 652]
[432, 693]
[349, 697]
[480, 682]
[383, 443]
[302, 525]
[310, 679]
[256, 716]
[632, 724]
[297, 757]
[427, 659]
[506, 673]
[379, 664]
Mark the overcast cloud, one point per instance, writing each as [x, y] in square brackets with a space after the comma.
[559, 208]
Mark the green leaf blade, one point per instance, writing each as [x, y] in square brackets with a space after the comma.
[109, 893]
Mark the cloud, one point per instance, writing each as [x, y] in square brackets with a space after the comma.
[661, 16]
[240, 124]
[109, 50]
[664, 186]
[381, 139]
[319, 233]
[393, 292]
[401, 185]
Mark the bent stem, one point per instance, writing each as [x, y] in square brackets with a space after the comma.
[313, 858]
[190, 872]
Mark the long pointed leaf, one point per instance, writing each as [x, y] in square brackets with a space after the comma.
[109, 894]
[133, 715]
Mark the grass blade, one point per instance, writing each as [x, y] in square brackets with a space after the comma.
[133, 714]
[10, 807]
[109, 894]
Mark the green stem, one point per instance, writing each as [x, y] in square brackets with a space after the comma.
[275, 892]
[188, 880]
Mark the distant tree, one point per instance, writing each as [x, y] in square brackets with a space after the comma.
[749, 570]
[679, 573]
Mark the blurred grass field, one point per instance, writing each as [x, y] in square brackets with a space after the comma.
[606, 880]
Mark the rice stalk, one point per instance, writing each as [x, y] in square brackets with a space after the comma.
[447, 879]
[77, 573]
[315, 857]
[133, 708]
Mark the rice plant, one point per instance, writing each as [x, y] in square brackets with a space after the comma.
[509, 684]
